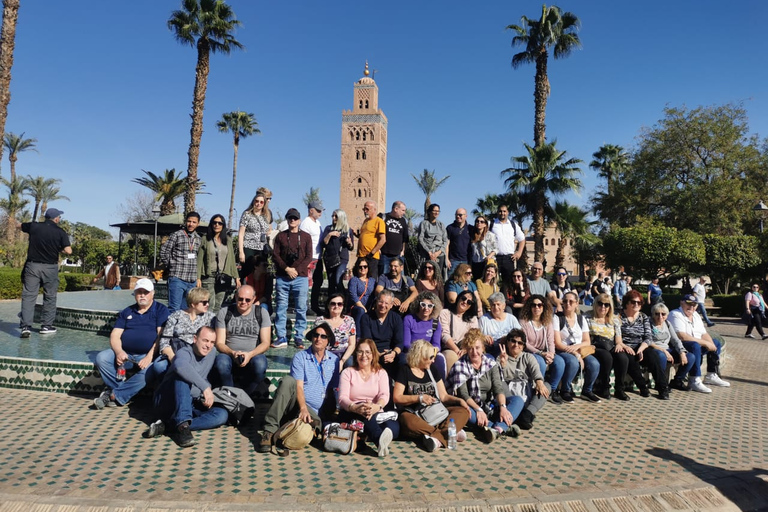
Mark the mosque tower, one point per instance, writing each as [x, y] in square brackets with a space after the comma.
[363, 152]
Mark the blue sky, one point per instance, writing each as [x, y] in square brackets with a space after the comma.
[107, 91]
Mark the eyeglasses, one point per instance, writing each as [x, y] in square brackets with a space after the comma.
[366, 209]
[603, 304]
[362, 266]
[426, 305]
[517, 277]
[537, 269]
[292, 219]
[318, 335]
[466, 300]
[571, 301]
[244, 299]
[430, 268]
[468, 273]
[480, 221]
[364, 353]
[659, 314]
[517, 342]
[204, 302]
[336, 304]
[562, 273]
[258, 202]
[537, 305]
[217, 223]
[461, 214]
[635, 302]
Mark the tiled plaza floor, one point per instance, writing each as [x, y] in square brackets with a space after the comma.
[695, 452]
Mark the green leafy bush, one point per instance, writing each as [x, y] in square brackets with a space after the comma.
[10, 283]
[77, 282]
[730, 305]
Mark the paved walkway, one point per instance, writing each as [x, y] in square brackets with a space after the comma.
[695, 452]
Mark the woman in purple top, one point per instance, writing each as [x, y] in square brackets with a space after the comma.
[421, 323]
[360, 289]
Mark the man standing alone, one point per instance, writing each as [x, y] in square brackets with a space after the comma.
[111, 274]
[179, 253]
[46, 241]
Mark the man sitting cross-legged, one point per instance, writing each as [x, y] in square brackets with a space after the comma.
[308, 391]
[243, 334]
[132, 341]
[184, 400]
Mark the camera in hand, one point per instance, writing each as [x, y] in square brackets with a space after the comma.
[240, 358]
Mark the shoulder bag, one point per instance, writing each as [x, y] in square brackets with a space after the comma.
[435, 413]
[339, 440]
[294, 435]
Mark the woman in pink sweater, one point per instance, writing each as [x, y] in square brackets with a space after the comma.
[363, 394]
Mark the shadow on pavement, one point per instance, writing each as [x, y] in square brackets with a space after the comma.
[745, 489]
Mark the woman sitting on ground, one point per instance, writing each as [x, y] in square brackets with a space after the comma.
[522, 376]
[343, 326]
[461, 280]
[418, 385]
[516, 292]
[429, 280]
[488, 285]
[497, 323]
[536, 319]
[360, 289]
[635, 343]
[456, 320]
[182, 325]
[476, 379]
[483, 245]
[668, 347]
[363, 394]
[216, 257]
[574, 338]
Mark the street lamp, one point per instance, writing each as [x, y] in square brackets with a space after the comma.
[761, 210]
[156, 213]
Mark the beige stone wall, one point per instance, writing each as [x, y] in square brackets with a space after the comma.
[551, 239]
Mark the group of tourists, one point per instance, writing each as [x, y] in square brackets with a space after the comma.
[387, 349]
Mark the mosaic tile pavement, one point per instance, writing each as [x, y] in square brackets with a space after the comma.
[695, 452]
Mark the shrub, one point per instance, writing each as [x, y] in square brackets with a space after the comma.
[77, 282]
[10, 283]
[730, 305]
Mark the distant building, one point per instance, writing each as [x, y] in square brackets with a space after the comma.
[551, 240]
[363, 152]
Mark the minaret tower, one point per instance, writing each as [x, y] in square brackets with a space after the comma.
[363, 152]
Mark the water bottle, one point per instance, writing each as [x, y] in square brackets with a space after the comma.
[452, 435]
[121, 372]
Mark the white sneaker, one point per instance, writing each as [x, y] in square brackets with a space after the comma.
[714, 379]
[696, 385]
[384, 440]
[431, 444]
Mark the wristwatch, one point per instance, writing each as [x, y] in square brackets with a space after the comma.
[503, 405]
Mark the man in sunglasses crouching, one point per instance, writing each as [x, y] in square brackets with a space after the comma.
[308, 391]
[243, 333]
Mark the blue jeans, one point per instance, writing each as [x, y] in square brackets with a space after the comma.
[336, 278]
[253, 372]
[697, 352]
[572, 367]
[383, 263]
[177, 293]
[371, 427]
[556, 369]
[684, 369]
[296, 289]
[703, 312]
[173, 402]
[515, 406]
[128, 388]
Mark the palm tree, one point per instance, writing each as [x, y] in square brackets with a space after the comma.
[39, 188]
[411, 216]
[241, 125]
[50, 194]
[12, 205]
[573, 225]
[543, 173]
[16, 144]
[555, 29]
[7, 44]
[609, 161]
[428, 184]
[167, 188]
[207, 25]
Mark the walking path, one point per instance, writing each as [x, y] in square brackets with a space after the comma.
[695, 452]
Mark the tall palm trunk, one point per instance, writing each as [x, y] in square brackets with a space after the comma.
[196, 132]
[540, 95]
[34, 212]
[234, 178]
[13, 158]
[7, 44]
[538, 229]
[560, 256]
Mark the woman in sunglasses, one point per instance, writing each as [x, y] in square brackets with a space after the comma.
[560, 286]
[461, 280]
[516, 292]
[522, 376]
[636, 337]
[536, 319]
[456, 320]
[343, 326]
[253, 235]
[422, 323]
[181, 326]
[429, 280]
[669, 348]
[497, 323]
[419, 385]
[359, 290]
[483, 245]
[216, 257]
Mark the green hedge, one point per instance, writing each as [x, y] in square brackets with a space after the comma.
[730, 305]
[77, 282]
[10, 283]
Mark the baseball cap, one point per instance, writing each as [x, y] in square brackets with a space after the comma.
[144, 284]
[292, 213]
[317, 205]
[52, 213]
[689, 298]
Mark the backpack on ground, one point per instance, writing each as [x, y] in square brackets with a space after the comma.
[294, 435]
[237, 402]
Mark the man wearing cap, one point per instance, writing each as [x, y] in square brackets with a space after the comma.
[311, 225]
[132, 345]
[690, 329]
[292, 255]
[179, 254]
[46, 241]
[373, 235]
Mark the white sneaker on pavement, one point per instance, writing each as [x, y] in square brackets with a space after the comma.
[696, 385]
[714, 379]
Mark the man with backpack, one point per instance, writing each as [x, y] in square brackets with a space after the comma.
[243, 333]
[402, 287]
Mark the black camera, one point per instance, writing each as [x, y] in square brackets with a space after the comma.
[240, 358]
